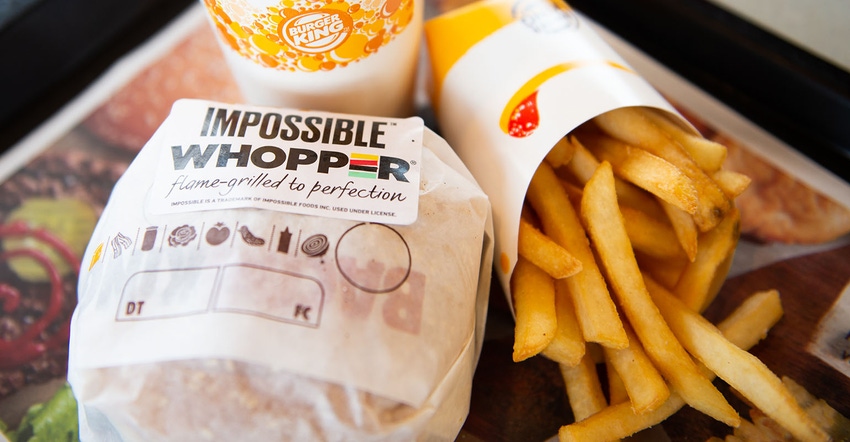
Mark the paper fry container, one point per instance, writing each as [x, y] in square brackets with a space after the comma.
[509, 79]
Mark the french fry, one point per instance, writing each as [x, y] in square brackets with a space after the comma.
[618, 421]
[736, 328]
[631, 125]
[536, 247]
[651, 236]
[665, 271]
[833, 422]
[607, 232]
[597, 355]
[647, 171]
[768, 429]
[534, 304]
[616, 388]
[561, 153]
[527, 214]
[567, 347]
[573, 193]
[709, 155]
[629, 195]
[636, 198]
[701, 279]
[685, 228]
[741, 370]
[584, 391]
[763, 428]
[731, 183]
[594, 307]
[646, 389]
[753, 318]
[749, 432]
[584, 164]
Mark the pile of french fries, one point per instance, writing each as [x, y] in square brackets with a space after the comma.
[761, 428]
[627, 234]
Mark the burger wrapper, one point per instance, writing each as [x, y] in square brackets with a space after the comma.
[509, 79]
[217, 319]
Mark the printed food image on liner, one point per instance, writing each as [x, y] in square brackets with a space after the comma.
[276, 283]
[615, 220]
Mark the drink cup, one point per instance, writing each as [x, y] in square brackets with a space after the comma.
[352, 56]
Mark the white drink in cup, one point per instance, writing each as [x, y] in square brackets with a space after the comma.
[353, 56]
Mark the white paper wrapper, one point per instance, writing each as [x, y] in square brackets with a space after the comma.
[260, 324]
[510, 78]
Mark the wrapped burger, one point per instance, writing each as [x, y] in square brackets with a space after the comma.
[271, 274]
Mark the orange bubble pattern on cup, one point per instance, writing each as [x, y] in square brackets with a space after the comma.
[309, 36]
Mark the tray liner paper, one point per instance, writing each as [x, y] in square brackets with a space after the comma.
[261, 324]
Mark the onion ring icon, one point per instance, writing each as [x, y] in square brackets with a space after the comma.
[316, 245]
[389, 253]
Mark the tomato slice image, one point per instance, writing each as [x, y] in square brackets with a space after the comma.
[524, 118]
[521, 115]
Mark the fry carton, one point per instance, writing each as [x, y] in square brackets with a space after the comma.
[510, 78]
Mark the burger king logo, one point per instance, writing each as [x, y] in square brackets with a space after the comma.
[316, 31]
